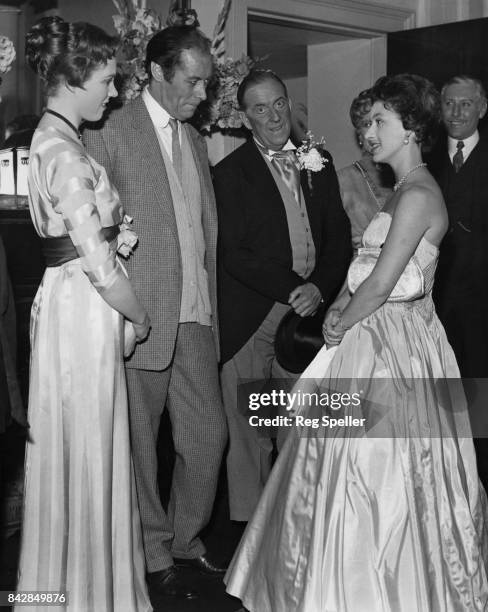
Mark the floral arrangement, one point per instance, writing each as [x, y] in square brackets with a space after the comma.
[222, 110]
[7, 55]
[135, 25]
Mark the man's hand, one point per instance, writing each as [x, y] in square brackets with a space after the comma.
[305, 299]
[134, 333]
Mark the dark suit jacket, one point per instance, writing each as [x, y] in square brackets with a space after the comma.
[255, 255]
[10, 399]
[128, 148]
[460, 287]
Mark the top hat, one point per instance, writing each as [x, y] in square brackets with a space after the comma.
[298, 339]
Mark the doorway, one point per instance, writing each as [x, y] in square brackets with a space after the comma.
[325, 52]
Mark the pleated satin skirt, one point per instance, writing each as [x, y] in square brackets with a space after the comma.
[391, 521]
[81, 530]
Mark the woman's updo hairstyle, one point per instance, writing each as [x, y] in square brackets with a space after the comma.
[360, 107]
[60, 51]
[415, 100]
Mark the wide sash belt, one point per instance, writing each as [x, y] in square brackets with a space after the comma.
[57, 251]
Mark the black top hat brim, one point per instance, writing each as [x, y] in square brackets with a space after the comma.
[298, 339]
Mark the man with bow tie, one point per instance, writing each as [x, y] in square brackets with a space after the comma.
[284, 243]
[460, 292]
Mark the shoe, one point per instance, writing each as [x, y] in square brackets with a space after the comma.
[202, 564]
[169, 583]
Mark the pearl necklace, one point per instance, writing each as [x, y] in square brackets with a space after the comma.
[399, 183]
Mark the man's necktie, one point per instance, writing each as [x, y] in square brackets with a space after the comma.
[286, 164]
[458, 159]
[176, 149]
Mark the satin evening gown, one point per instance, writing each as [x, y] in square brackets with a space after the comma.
[81, 530]
[391, 518]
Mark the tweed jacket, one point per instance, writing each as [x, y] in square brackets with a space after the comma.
[128, 147]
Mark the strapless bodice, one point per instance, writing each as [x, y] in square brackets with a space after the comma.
[418, 276]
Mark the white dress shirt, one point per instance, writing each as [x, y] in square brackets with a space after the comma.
[160, 118]
[289, 146]
[469, 145]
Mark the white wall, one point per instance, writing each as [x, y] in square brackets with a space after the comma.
[297, 92]
[337, 72]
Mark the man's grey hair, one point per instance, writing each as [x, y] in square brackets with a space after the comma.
[465, 78]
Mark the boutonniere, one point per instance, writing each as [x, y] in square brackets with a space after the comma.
[310, 156]
[127, 238]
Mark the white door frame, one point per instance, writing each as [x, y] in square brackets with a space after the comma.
[356, 17]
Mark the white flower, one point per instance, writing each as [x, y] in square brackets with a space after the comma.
[127, 238]
[309, 156]
[312, 161]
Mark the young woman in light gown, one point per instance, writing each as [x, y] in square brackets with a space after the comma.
[390, 517]
[81, 530]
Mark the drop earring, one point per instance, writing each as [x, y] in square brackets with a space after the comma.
[406, 140]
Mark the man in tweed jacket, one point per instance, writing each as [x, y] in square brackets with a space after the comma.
[160, 167]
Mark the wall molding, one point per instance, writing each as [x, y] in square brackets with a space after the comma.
[359, 18]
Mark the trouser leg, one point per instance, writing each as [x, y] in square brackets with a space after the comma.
[199, 435]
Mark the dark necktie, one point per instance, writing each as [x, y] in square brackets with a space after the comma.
[286, 164]
[176, 149]
[458, 159]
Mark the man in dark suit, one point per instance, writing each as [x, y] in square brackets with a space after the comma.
[461, 169]
[160, 167]
[284, 243]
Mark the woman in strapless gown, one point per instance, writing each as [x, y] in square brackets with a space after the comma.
[384, 514]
